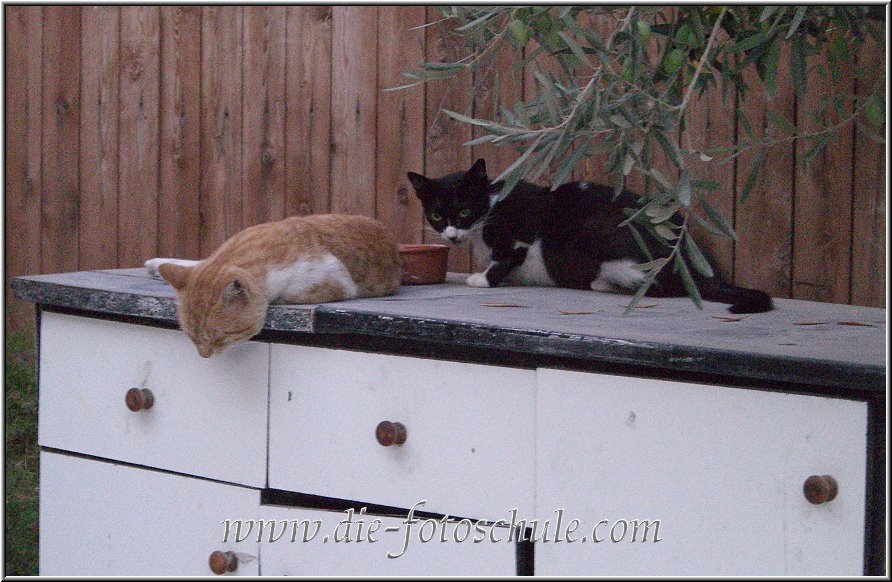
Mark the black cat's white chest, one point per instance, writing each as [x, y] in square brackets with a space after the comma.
[480, 251]
[531, 272]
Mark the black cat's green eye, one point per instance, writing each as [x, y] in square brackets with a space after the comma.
[436, 217]
[464, 213]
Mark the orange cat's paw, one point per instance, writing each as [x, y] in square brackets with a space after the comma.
[152, 266]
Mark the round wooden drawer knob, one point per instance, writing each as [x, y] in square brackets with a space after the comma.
[390, 433]
[820, 489]
[222, 562]
[139, 399]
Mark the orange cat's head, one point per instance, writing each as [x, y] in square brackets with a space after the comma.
[216, 307]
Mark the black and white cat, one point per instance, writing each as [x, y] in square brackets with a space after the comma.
[565, 238]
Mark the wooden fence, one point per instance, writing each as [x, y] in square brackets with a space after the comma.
[142, 131]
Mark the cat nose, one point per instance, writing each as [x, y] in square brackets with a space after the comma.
[451, 234]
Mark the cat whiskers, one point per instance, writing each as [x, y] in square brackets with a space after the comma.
[481, 224]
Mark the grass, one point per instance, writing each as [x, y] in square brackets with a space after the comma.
[22, 457]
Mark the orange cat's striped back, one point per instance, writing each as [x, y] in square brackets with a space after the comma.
[364, 246]
[302, 259]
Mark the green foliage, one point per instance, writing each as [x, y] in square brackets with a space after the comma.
[22, 458]
[626, 91]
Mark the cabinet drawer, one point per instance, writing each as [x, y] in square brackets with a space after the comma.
[208, 415]
[722, 469]
[327, 553]
[99, 519]
[470, 433]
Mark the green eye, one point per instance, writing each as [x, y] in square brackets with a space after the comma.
[464, 213]
[436, 217]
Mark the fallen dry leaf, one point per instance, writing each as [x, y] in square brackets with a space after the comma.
[729, 318]
[857, 323]
[501, 305]
[788, 344]
[645, 306]
[811, 323]
[563, 312]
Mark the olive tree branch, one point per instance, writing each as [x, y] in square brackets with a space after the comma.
[703, 58]
[768, 143]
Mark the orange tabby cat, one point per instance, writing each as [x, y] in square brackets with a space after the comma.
[311, 259]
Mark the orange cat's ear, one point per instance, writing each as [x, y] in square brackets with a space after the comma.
[176, 275]
[235, 292]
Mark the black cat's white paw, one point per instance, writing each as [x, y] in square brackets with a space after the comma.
[477, 280]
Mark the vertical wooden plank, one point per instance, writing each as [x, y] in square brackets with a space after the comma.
[263, 138]
[24, 53]
[353, 114]
[139, 100]
[61, 122]
[400, 121]
[869, 202]
[660, 160]
[711, 123]
[544, 63]
[486, 106]
[221, 125]
[823, 200]
[308, 110]
[99, 137]
[592, 168]
[180, 152]
[444, 152]
[764, 221]
[509, 80]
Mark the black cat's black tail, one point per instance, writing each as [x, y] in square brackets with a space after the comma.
[742, 300]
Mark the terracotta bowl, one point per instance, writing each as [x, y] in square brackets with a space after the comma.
[424, 264]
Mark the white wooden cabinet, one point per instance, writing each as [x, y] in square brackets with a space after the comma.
[147, 492]
[721, 469]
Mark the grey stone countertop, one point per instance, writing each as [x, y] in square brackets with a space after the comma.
[801, 342]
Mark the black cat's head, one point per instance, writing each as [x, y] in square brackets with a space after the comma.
[457, 204]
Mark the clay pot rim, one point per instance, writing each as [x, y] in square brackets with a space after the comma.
[421, 248]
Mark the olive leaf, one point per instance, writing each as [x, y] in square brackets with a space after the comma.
[696, 256]
[642, 290]
[756, 167]
[688, 281]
